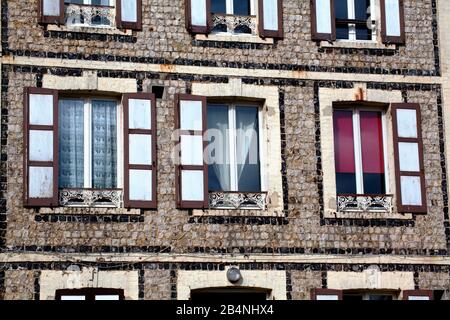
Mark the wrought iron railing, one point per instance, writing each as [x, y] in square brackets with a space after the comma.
[90, 15]
[365, 203]
[91, 198]
[234, 24]
[238, 200]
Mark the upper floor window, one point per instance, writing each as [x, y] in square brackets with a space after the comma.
[233, 153]
[89, 294]
[360, 157]
[353, 20]
[369, 295]
[96, 13]
[234, 16]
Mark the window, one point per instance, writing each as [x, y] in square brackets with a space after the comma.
[373, 296]
[233, 151]
[97, 13]
[88, 133]
[89, 294]
[360, 154]
[353, 20]
[233, 16]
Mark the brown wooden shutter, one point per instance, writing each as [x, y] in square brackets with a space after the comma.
[408, 151]
[192, 171]
[417, 295]
[129, 14]
[140, 169]
[323, 20]
[198, 16]
[270, 18]
[40, 147]
[51, 11]
[392, 21]
[326, 294]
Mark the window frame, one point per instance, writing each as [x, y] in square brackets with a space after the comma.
[374, 5]
[88, 144]
[234, 183]
[89, 294]
[366, 294]
[88, 3]
[229, 8]
[357, 144]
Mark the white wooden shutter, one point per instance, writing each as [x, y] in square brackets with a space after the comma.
[323, 25]
[40, 147]
[408, 149]
[192, 171]
[51, 11]
[198, 16]
[140, 150]
[270, 18]
[392, 21]
[326, 294]
[129, 14]
[418, 295]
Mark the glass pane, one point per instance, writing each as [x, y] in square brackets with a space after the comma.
[218, 6]
[75, 1]
[380, 297]
[372, 152]
[218, 149]
[342, 31]
[362, 9]
[241, 7]
[352, 297]
[341, 9]
[100, 2]
[363, 33]
[247, 149]
[71, 144]
[104, 144]
[344, 152]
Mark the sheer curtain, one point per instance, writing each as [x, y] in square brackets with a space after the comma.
[71, 143]
[218, 149]
[104, 144]
[247, 150]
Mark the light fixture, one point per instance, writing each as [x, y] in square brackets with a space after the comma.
[234, 275]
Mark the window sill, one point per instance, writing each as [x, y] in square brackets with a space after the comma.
[89, 29]
[228, 37]
[347, 44]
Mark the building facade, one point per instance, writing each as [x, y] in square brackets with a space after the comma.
[279, 149]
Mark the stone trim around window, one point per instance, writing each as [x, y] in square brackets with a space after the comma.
[328, 96]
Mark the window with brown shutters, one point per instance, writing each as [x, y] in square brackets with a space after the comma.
[409, 165]
[326, 294]
[51, 11]
[40, 147]
[198, 16]
[323, 25]
[192, 171]
[392, 21]
[418, 295]
[140, 150]
[129, 14]
[89, 294]
[270, 18]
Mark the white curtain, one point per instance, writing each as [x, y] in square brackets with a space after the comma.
[218, 149]
[104, 144]
[71, 144]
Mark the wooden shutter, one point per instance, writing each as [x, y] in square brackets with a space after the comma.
[192, 171]
[40, 147]
[129, 14]
[270, 18]
[326, 294]
[408, 151]
[140, 150]
[417, 295]
[392, 21]
[323, 21]
[198, 16]
[51, 11]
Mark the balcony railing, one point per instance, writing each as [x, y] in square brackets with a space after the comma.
[82, 15]
[112, 198]
[238, 200]
[234, 24]
[365, 203]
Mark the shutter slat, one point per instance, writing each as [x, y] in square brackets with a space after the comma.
[326, 294]
[198, 16]
[140, 150]
[323, 25]
[270, 18]
[392, 21]
[129, 14]
[51, 11]
[40, 147]
[409, 165]
[191, 171]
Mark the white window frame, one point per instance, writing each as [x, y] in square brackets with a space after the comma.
[374, 4]
[87, 113]
[89, 2]
[230, 7]
[232, 143]
[358, 151]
